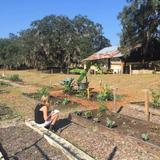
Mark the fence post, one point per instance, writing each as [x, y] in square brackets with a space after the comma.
[130, 69]
[146, 106]
[114, 99]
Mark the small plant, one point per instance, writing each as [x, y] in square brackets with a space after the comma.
[110, 123]
[156, 98]
[65, 101]
[44, 91]
[67, 84]
[102, 108]
[106, 95]
[15, 77]
[145, 136]
[88, 114]
[78, 113]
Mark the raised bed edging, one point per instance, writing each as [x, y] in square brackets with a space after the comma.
[70, 151]
[96, 127]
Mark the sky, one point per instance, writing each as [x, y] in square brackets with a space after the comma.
[17, 15]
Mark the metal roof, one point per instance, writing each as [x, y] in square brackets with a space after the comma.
[107, 52]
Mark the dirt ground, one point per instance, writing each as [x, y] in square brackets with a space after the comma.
[130, 86]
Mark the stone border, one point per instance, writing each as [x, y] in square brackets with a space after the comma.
[70, 151]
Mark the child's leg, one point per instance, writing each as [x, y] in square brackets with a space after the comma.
[54, 118]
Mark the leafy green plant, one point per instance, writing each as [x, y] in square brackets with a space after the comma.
[110, 123]
[82, 73]
[67, 84]
[156, 98]
[106, 95]
[145, 136]
[65, 101]
[102, 108]
[15, 77]
[88, 114]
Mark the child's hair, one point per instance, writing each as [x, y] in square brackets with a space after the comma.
[45, 101]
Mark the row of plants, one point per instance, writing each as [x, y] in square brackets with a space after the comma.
[13, 77]
[109, 122]
[70, 86]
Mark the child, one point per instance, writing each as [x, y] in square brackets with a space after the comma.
[42, 116]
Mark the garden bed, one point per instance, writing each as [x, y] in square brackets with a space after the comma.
[6, 113]
[124, 125]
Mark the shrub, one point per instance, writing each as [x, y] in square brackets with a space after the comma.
[110, 123]
[88, 114]
[65, 101]
[145, 136]
[15, 77]
[156, 98]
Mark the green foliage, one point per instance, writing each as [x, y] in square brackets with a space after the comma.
[82, 73]
[53, 41]
[102, 108]
[156, 98]
[65, 101]
[88, 114]
[110, 123]
[67, 85]
[44, 91]
[15, 77]
[5, 84]
[145, 136]
[105, 95]
[137, 28]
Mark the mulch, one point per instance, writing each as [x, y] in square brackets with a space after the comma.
[20, 142]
